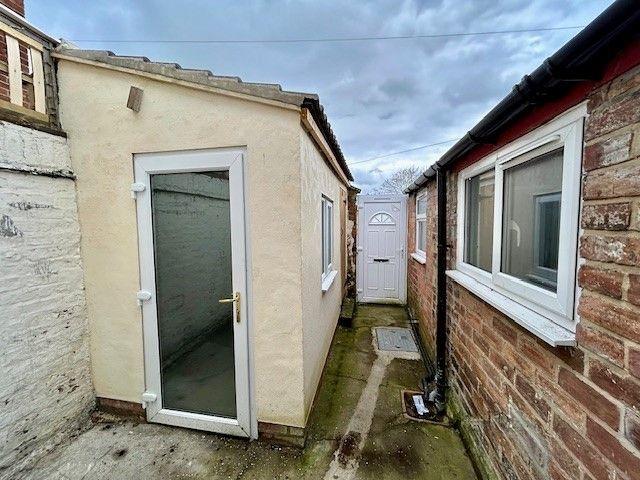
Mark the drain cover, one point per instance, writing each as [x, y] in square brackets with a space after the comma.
[395, 339]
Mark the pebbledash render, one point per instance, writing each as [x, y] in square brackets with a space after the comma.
[535, 402]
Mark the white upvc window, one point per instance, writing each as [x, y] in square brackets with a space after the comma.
[518, 227]
[421, 225]
[328, 272]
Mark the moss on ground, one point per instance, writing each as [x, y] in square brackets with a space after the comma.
[396, 447]
[478, 456]
[400, 448]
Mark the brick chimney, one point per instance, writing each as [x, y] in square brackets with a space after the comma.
[15, 5]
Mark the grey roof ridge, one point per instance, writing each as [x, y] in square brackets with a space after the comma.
[269, 91]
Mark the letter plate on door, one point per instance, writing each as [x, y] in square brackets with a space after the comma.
[380, 259]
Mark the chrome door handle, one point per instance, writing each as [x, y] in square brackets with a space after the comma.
[235, 300]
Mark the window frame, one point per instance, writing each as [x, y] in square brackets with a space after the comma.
[326, 227]
[421, 218]
[565, 131]
[475, 170]
[540, 271]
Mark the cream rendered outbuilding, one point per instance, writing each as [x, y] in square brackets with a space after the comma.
[289, 165]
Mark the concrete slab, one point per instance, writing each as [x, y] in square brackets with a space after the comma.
[399, 448]
[392, 446]
[380, 316]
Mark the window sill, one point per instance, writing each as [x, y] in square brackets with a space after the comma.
[419, 258]
[327, 281]
[528, 319]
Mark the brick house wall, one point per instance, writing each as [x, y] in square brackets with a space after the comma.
[46, 391]
[530, 410]
[15, 5]
[28, 100]
[352, 233]
[45, 385]
[421, 282]
[28, 94]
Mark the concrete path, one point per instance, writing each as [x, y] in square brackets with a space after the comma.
[357, 431]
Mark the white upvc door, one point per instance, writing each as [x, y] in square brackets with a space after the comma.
[382, 262]
[191, 234]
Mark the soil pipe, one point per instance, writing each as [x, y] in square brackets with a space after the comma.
[441, 299]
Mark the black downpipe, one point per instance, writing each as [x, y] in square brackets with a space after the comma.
[441, 307]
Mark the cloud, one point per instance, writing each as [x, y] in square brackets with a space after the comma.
[380, 96]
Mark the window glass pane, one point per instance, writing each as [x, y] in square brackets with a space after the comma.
[323, 226]
[329, 233]
[547, 231]
[422, 235]
[421, 206]
[192, 251]
[479, 220]
[531, 220]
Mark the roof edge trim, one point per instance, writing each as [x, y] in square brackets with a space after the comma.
[176, 81]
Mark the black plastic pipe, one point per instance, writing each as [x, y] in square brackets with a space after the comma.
[441, 298]
[580, 59]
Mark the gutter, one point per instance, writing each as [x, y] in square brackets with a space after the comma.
[311, 127]
[26, 25]
[317, 112]
[580, 59]
[421, 180]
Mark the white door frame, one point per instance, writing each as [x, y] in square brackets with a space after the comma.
[402, 250]
[145, 165]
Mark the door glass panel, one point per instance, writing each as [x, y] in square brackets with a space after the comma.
[192, 245]
[479, 220]
[531, 221]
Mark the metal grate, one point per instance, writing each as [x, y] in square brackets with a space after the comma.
[395, 339]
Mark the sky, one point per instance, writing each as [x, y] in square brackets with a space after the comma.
[380, 96]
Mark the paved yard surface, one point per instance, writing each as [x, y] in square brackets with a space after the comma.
[357, 431]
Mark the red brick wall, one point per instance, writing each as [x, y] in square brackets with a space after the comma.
[28, 100]
[4, 76]
[561, 413]
[15, 5]
[352, 233]
[421, 283]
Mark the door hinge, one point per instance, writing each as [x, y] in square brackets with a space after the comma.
[148, 397]
[143, 296]
[136, 188]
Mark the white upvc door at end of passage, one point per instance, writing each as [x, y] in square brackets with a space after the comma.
[192, 253]
[382, 262]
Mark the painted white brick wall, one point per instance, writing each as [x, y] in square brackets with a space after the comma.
[45, 380]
